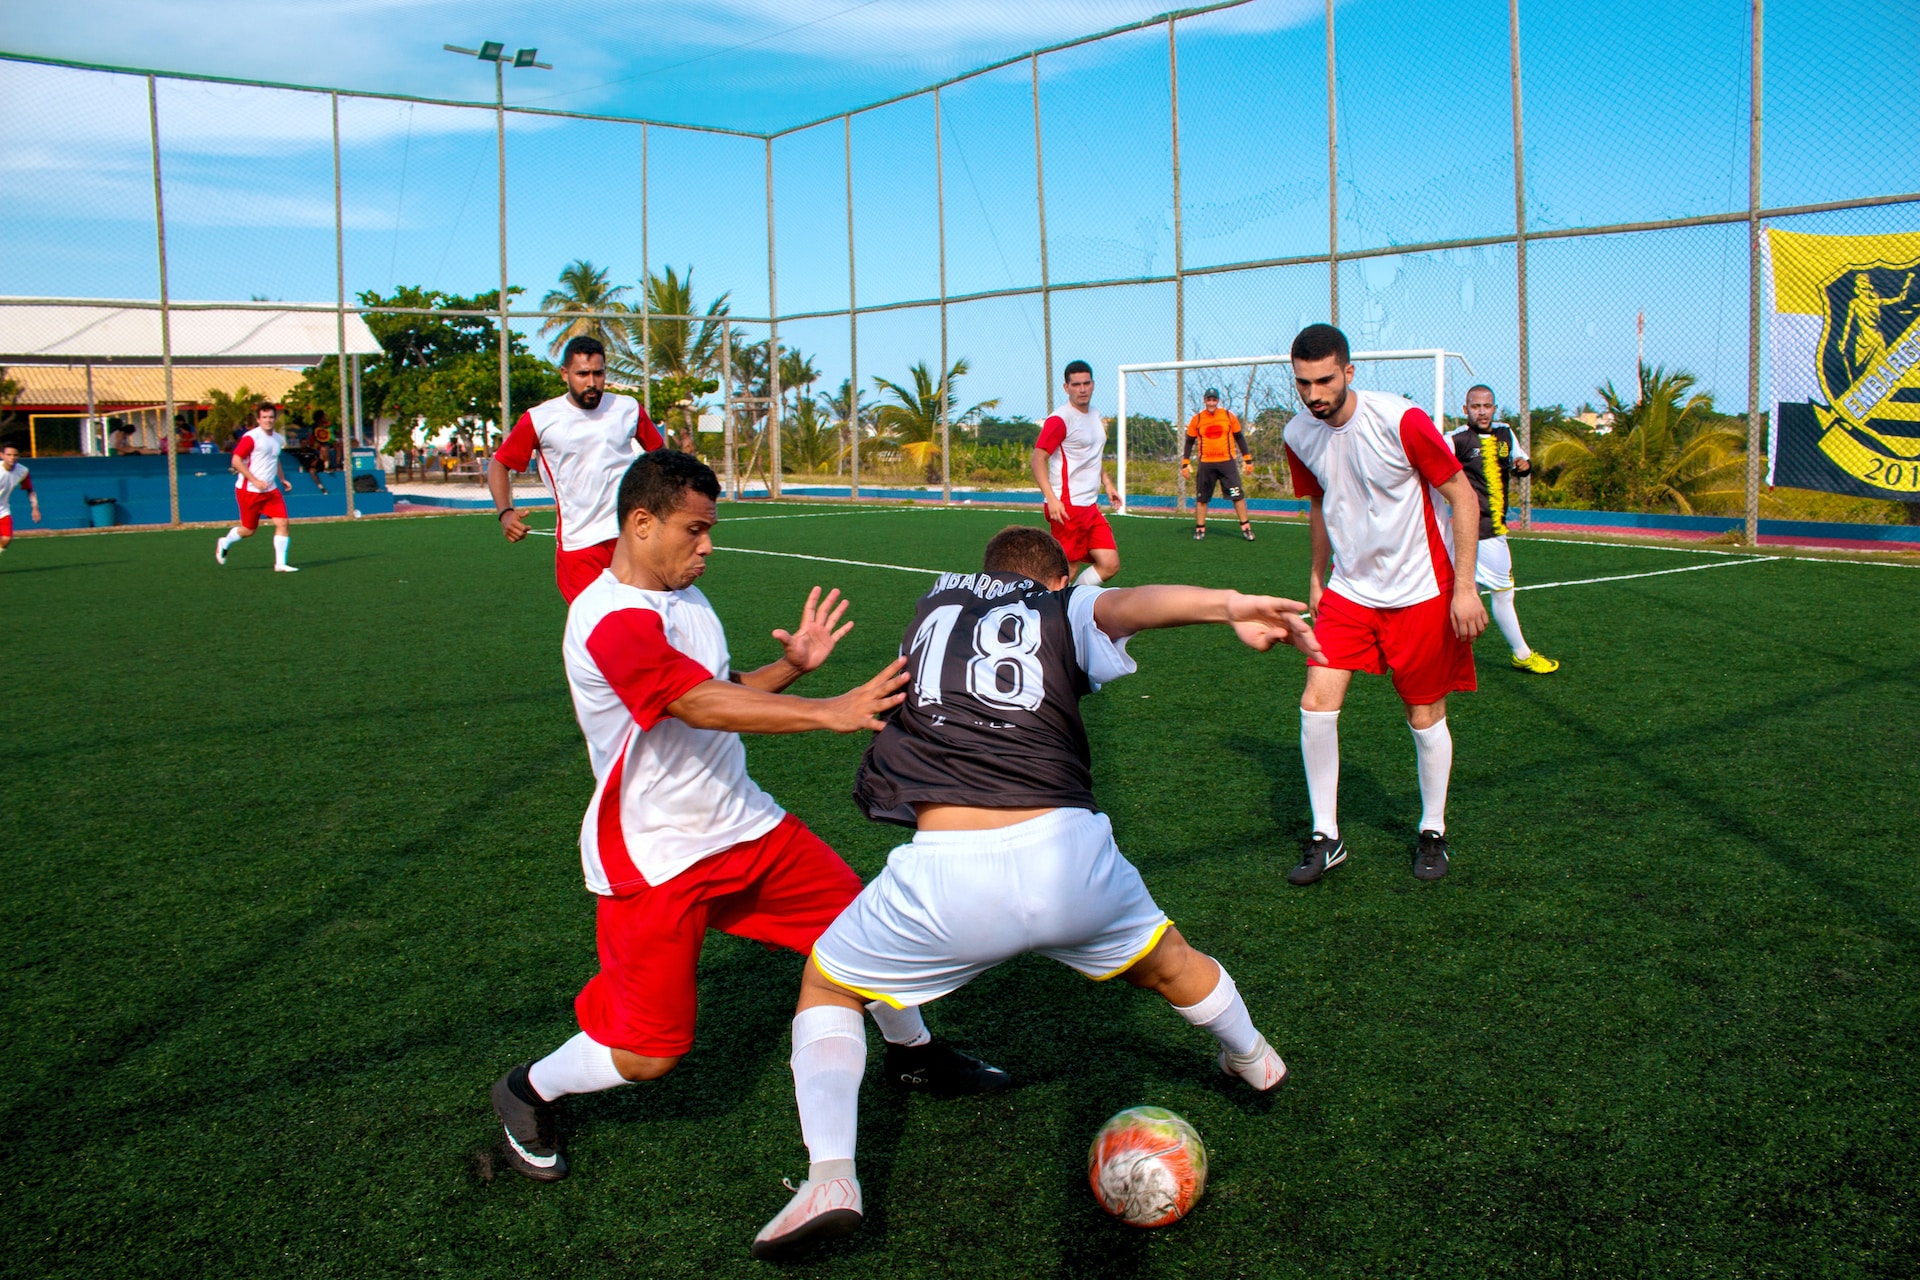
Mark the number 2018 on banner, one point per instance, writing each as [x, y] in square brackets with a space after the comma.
[1006, 648]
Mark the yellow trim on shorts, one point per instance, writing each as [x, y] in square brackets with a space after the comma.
[1138, 956]
[814, 958]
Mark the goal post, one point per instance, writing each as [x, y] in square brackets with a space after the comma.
[1156, 401]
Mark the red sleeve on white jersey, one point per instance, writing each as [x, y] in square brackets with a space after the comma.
[26, 482]
[1431, 456]
[516, 451]
[244, 448]
[630, 647]
[1052, 433]
[647, 434]
[1305, 485]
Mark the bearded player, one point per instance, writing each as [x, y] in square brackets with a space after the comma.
[586, 439]
[1491, 457]
[13, 476]
[989, 761]
[1221, 438]
[257, 485]
[1394, 518]
[678, 839]
[1069, 462]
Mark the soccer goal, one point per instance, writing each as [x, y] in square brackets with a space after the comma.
[1157, 400]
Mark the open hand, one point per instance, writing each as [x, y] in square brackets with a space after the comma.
[808, 645]
[1261, 622]
[862, 707]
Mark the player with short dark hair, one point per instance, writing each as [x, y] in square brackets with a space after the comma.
[14, 476]
[1070, 465]
[258, 481]
[677, 838]
[585, 439]
[1220, 437]
[1393, 518]
[1491, 456]
[988, 760]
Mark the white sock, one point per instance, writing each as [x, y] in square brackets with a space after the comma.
[581, 1065]
[899, 1026]
[233, 536]
[1503, 613]
[280, 548]
[1320, 749]
[829, 1057]
[1225, 1014]
[1433, 752]
[1089, 577]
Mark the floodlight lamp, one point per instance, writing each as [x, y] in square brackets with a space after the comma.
[525, 57]
[491, 50]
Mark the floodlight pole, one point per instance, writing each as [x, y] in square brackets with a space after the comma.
[1179, 275]
[732, 477]
[1333, 186]
[1756, 99]
[340, 314]
[1046, 291]
[773, 345]
[1520, 260]
[940, 219]
[500, 137]
[646, 289]
[853, 319]
[166, 324]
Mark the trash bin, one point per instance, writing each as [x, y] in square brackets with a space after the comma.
[102, 512]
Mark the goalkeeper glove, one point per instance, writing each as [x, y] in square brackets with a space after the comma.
[1247, 459]
[1186, 466]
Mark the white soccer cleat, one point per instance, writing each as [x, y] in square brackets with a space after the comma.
[220, 551]
[285, 568]
[818, 1211]
[1262, 1068]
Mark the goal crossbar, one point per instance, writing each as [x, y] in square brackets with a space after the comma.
[1437, 355]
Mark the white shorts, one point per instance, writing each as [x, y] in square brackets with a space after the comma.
[953, 904]
[1493, 569]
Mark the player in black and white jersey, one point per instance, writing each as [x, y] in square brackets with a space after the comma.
[988, 759]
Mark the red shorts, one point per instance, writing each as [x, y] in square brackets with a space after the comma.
[255, 505]
[783, 889]
[575, 571]
[1085, 529]
[1415, 643]
[6, 525]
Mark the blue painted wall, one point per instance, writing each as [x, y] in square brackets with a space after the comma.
[138, 486]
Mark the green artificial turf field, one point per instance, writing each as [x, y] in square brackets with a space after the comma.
[293, 878]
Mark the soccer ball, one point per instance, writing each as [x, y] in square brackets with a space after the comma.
[1147, 1167]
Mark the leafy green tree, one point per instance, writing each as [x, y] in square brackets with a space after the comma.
[584, 288]
[993, 430]
[851, 416]
[1667, 450]
[910, 420]
[683, 356]
[811, 438]
[228, 416]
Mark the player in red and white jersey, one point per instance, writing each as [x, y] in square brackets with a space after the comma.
[257, 485]
[14, 476]
[1070, 463]
[678, 838]
[586, 439]
[1392, 511]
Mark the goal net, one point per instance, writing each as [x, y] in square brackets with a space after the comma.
[1157, 400]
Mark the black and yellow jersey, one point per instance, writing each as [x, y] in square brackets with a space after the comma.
[1488, 458]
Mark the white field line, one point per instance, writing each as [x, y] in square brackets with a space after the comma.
[1633, 546]
[821, 515]
[1654, 573]
[863, 564]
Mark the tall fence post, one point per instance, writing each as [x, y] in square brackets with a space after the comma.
[500, 133]
[853, 320]
[646, 294]
[773, 345]
[1046, 289]
[1756, 99]
[1333, 185]
[1520, 259]
[1179, 269]
[731, 476]
[341, 428]
[168, 441]
[940, 222]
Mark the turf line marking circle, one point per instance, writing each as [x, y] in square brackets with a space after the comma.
[863, 564]
[1653, 573]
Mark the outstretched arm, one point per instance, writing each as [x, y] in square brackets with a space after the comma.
[737, 708]
[1260, 621]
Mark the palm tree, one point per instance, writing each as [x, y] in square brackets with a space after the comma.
[584, 288]
[797, 374]
[683, 356]
[812, 438]
[911, 420]
[1664, 451]
[848, 409]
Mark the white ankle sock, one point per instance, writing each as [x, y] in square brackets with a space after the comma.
[1225, 1014]
[1503, 613]
[1433, 754]
[1320, 749]
[899, 1026]
[233, 535]
[280, 548]
[1089, 577]
[581, 1065]
[829, 1057]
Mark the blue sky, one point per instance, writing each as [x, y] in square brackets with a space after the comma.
[1633, 111]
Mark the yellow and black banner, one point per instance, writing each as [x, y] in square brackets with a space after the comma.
[1844, 329]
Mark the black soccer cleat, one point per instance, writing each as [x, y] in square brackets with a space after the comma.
[938, 1068]
[1430, 856]
[1323, 854]
[1246, 530]
[533, 1146]
[1199, 532]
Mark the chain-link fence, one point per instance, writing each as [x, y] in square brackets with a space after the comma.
[1561, 194]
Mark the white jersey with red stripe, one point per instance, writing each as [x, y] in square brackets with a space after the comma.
[259, 452]
[583, 454]
[666, 794]
[1075, 443]
[16, 478]
[1376, 476]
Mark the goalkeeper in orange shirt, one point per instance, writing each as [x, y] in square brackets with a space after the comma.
[1220, 437]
